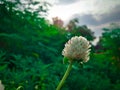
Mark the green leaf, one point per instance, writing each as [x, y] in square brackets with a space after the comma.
[3, 67]
[65, 60]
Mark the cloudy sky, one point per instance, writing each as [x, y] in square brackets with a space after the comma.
[96, 14]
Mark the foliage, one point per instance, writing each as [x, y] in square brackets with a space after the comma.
[76, 30]
[24, 72]
[29, 34]
[30, 52]
[110, 40]
[112, 36]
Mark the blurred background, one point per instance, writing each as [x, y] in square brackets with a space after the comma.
[33, 34]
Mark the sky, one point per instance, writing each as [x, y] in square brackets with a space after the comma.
[96, 14]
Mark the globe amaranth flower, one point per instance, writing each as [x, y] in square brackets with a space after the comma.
[77, 48]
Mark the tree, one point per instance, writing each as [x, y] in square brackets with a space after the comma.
[74, 28]
[28, 33]
[29, 45]
[110, 42]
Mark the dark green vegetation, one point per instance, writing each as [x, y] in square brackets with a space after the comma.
[30, 52]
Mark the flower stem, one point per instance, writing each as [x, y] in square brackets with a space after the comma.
[65, 76]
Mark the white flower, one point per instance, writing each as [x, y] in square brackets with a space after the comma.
[1, 86]
[77, 48]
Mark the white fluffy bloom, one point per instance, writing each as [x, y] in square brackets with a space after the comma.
[1, 86]
[77, 48]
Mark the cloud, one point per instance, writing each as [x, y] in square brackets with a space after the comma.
[64, 2]
[113, 16]
[87, 19]
[96, 14]
[99, 19]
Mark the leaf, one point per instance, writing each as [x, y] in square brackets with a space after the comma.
[65, 60]
[3, 67]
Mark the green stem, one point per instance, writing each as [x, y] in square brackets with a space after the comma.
[64, 77]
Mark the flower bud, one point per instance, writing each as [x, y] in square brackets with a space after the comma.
[77, 48]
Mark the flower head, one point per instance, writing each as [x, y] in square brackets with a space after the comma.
[77, 48]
